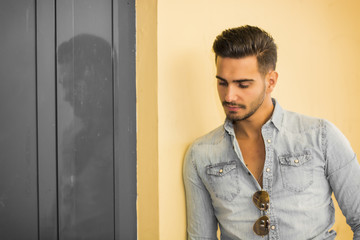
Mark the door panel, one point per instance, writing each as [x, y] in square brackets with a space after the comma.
[68, 120]
[85, 120]
[124, 118]
[18, 163]
[46, 97]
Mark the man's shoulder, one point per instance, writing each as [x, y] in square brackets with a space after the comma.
[205, 144]
[298, 122]
[211, 138]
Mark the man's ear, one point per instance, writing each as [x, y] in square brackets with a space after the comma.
[271, 80]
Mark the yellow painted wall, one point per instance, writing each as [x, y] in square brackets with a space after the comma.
[318, 69]
[147, 120]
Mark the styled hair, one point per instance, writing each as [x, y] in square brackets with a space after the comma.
[247, 41]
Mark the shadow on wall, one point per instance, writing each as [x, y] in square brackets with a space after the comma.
[85, 128]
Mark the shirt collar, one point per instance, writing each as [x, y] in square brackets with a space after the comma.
[276, 119]
[278, 114]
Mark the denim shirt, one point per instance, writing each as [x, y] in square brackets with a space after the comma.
[306, 160]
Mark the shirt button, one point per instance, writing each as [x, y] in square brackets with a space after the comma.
[296, 161]
[269, 140]
[273, 227]
[268, 169]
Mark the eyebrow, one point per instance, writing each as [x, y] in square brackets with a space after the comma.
[236, 81]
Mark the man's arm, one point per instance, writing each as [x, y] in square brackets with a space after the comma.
[343, 173]
[201, 221]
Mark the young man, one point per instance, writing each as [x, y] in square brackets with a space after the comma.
[266, 173]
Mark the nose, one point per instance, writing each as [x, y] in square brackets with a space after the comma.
[230, 94]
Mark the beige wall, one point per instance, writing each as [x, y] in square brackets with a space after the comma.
[318, 75]
[147, 120]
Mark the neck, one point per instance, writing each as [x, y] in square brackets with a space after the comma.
[251, 127]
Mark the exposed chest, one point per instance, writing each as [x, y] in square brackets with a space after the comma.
[253, 153]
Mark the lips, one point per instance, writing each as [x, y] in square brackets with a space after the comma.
[232, 108]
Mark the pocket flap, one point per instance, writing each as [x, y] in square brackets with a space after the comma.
[295, 160]
[220, 168]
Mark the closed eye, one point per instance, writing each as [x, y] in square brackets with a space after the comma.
[222, 83]
[243, 85]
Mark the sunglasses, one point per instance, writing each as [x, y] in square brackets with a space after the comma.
[261, 200]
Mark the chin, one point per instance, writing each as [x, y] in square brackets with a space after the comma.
[234, 118]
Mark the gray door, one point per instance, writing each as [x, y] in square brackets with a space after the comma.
[68, 119]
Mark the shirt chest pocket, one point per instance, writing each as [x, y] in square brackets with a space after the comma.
[296, 171]
[223, 179]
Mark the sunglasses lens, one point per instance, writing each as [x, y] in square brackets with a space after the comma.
[261, 226]
[261, 200]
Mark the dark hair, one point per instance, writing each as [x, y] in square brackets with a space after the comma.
[247, 41]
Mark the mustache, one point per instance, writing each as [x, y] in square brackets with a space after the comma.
[233, 104]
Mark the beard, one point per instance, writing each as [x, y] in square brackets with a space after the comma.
[254, 106]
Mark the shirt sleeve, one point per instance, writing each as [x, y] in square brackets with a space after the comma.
[201, 221]
[343, 173]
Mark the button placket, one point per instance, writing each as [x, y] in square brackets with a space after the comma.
[267, 133]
